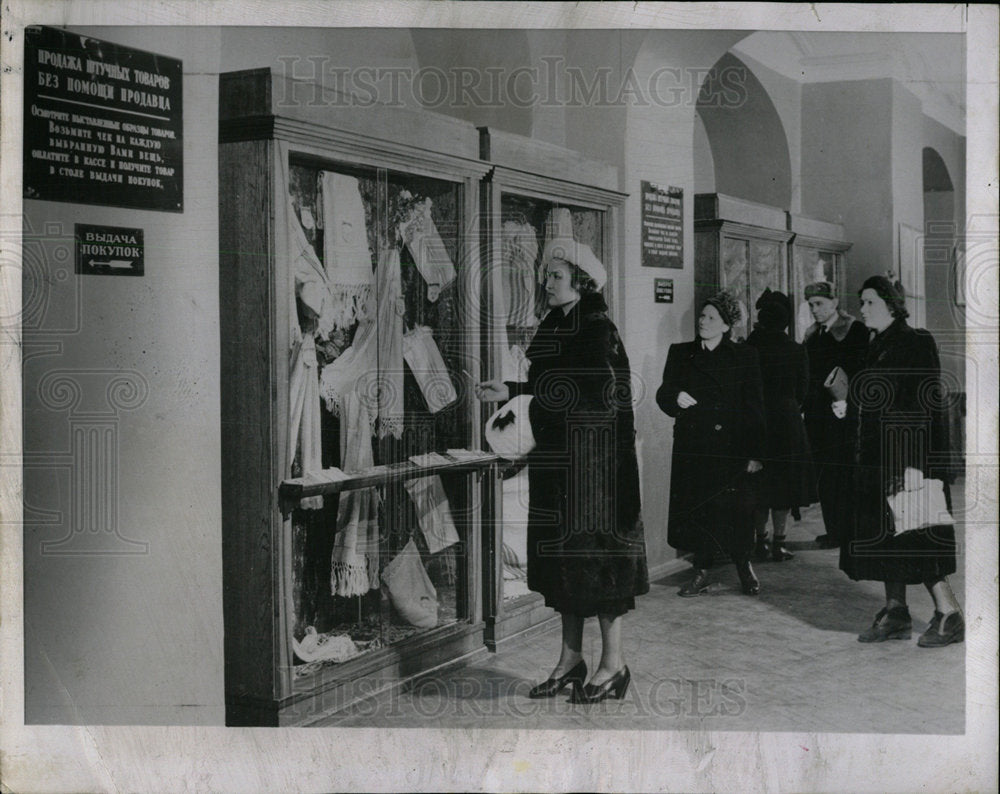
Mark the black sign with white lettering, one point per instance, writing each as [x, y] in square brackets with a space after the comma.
[663, 290]
[109, 250]
[662, 226]
[102, 123]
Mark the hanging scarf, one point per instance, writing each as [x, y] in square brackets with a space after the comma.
[372, 367]
[427, 365]
[433, 512]
[429, 254]
[346, 254]
[354, 563]
[308, 285]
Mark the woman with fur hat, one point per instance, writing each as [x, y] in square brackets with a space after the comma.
[788, 480]
[712, 387]
[586, 550]
[901, 430]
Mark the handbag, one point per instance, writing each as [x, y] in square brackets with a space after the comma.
[508, 430]
[921, 503]
[411, 591]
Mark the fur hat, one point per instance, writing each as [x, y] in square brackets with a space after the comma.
[774, 310]
[726, 305]
[821, 289]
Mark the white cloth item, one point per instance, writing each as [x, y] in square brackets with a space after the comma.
[920, 504]
[558, 226]
[421, 237]
[424, 359]
[519, 250]
[514, 364]
[324, 647]
[372, 367]
[354, 562]
[433, 512]
[307, 284]
[410, 589]
[508, 430]
[346, 255]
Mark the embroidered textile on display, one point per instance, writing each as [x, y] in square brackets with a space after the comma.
[433, 512]
[354, 562]
[372, 366]
[346, 254]
[424, 359]
[427, 248]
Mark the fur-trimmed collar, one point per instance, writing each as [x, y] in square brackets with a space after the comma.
[838, 329]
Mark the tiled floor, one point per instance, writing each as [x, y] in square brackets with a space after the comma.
[787, 660]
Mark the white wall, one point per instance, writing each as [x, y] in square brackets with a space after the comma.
[115, 637]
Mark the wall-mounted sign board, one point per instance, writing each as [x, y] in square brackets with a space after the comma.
[109, 250]
[662, 226]
[103, 123]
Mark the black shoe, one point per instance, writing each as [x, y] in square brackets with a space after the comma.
[748, 580]
[762, 550]
[943, 631]
[615, 687]
[697, 586]
[889, 624]
[779, 553]
[554, 686]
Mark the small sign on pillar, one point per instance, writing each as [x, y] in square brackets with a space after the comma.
[663, 290]
[109, 250]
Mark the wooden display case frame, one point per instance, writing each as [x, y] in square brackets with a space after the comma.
[260, 133]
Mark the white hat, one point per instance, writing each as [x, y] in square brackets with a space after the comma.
[508, 431]
[579, 254]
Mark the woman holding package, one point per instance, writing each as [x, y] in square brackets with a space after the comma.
[586, 552]
[787, 480]
[712, 387]
[901, 428]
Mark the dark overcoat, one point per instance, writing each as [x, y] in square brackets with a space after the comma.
[713, 442]
[586, 549]
[901, 423]
[788, 472]
[844, 345]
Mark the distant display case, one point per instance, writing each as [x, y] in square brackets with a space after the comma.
[533, 191]
[355, 489]
[817, 252]
[741, 246]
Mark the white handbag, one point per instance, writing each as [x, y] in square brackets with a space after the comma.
[921, 503]
[508, 431]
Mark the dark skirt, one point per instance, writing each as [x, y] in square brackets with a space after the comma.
[720, 524]
[874, 551]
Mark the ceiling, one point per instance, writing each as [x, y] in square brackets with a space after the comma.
[930, 65]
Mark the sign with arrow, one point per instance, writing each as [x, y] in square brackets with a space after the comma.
[109, 250]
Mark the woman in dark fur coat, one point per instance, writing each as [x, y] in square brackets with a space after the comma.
[586, 550]
[788, 479]
[712, 387]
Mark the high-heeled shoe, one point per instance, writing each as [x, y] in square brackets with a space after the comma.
[615, 687]
[748, 580]
[554, 686]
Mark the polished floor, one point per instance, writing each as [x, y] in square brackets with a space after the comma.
[786, 660]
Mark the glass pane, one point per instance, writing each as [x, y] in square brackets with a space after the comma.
[388, 342]
[526, 224]
[734, 279]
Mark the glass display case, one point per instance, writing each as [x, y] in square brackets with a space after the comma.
[817, 252]
[534, 192]
[740, 246]
[355, 491]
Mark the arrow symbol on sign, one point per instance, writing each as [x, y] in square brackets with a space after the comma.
[119, 264]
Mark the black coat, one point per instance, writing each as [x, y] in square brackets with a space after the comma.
[710, 504]
[784, 368]
[586, 549]
[844, 345]
[901, 423]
